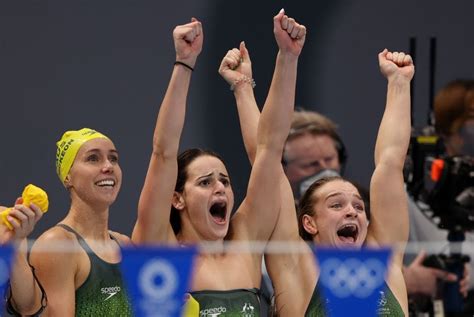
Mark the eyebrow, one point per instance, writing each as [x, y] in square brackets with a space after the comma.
[98, 150]
[210, 174]
[340, 194]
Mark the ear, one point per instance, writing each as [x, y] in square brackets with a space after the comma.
[178, 201]
[310, 225]
[67, 182]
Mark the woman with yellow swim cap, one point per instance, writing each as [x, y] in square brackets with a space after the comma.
[196, 192]
[84, 279]
[25, 294]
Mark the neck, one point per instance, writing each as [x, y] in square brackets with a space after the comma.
[90, 221]
[192, 238]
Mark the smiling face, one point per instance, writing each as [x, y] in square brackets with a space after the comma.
[95, 176]
[207, 199]
[338, 216]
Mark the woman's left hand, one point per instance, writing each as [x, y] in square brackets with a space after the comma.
[23, 220]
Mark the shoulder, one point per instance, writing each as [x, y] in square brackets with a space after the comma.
[55, 234]
[122, 239]
[57, 244]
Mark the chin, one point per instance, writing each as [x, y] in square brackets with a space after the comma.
[222, 235]
[107, 201]
[219, 235]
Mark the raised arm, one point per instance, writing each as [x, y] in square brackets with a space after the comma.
[25, 293]
[389, 206]
[154, 207]
[273, 127]
[236, 69]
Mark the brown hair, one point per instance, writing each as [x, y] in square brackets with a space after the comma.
[308, 201]
[184, 159]
[453, 105]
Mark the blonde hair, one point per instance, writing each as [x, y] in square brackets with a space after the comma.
[311, 122]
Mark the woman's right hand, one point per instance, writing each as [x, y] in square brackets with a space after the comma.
[396, 65]
[235, 64]
[188, 39]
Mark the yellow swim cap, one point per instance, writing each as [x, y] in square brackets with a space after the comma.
[69, 145]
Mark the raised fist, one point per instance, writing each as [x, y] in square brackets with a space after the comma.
[289, 34]
[396, 65]
[235, 64]
[188, 40]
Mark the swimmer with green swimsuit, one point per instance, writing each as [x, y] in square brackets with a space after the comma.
[332, 212]
[80, 269]
[200, 201]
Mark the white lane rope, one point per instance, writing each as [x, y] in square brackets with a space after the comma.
[272, 247]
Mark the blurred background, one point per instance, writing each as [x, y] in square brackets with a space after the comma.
[106, 64]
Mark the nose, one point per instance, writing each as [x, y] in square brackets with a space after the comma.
[219, 188]
[108, 167]
[351, 212]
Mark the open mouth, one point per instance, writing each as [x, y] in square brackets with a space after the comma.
[348, 233]
[106, 183]
[218, 211]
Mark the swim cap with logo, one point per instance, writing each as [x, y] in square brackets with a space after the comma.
[69, 145]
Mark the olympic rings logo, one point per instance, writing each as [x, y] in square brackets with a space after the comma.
[158, 280]
[352, 277]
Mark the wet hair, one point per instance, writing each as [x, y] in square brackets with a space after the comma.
[365, 195]
[307, 202]
[184, 159]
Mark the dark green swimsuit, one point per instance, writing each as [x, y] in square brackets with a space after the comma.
[388, 304]
[103, 292]
[238, 302]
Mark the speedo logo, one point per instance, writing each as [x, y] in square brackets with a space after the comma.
[110, 291]
[212, 312]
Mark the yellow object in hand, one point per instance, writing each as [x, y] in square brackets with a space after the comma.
[191, 307]
[31, 194]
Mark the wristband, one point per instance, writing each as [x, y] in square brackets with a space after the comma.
[243, 79]
[185, 65]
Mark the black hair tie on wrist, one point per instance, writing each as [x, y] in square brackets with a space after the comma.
[185, 65]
